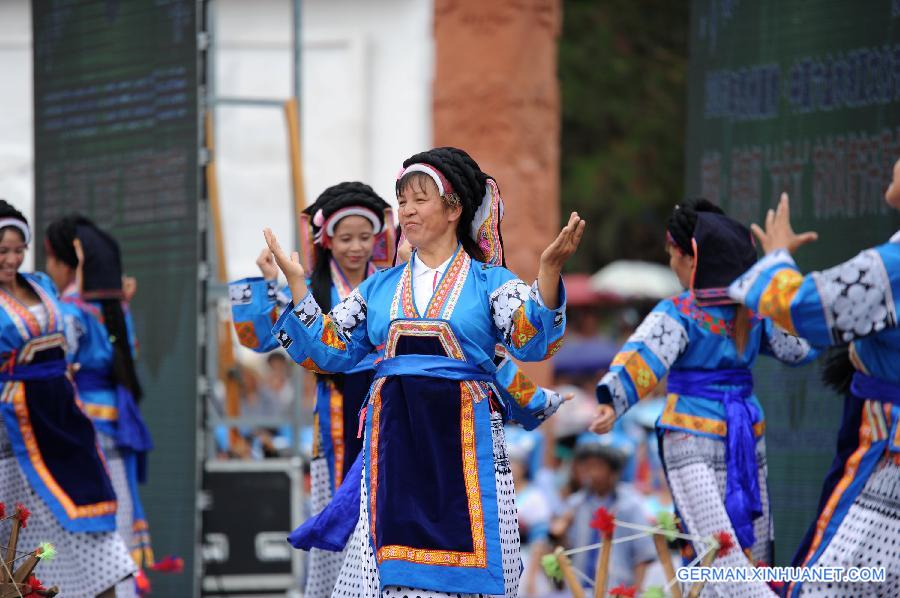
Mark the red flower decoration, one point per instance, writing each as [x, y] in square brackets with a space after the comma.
[22, 514]
[622, 590]
[32, 586]
[170, 564]
[604, 522]
[726, 543]
[142, 583]
[2, 510]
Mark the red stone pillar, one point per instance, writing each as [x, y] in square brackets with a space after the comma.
[496, 95]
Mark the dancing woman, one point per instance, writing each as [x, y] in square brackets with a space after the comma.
[435, 515]
[711, 430]
[855, 303]
[345, 235]
[49, 456]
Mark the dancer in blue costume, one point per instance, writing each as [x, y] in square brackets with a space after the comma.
[711, 430]
[435, 515]
[856, 303]
[345, 236]
[86, 265]
[49, 457]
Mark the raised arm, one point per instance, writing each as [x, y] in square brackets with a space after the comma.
[642, 362]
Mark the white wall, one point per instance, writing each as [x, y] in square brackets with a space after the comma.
[366, 105]
[16, 148]
[367, 69]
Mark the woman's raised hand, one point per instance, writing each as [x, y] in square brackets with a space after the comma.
[779, 233]
[564, 245]
[266, 264]
[290, 266]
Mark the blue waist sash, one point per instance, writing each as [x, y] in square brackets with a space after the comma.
[864, 387]
[432, 366]
[731, 387]
[35, 371]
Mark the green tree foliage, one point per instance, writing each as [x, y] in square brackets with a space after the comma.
[622, 70]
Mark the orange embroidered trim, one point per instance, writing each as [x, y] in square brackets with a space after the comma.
[850, 469]
[310, 365]
[101, 412]
[331, 335]
[336, 407]
[447, 292]
[522, 330]
[246, 334]
[522, 389]
[434, 328]
[641, 374]
[553, 348]
[775, 301]
[476, 558]
[696, 423]
[34, 455]
[317, 439]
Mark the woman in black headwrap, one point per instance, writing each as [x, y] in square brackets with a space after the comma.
[345, 235]
[711, 430]
[437, 508]
[49, 459]
[85, 264]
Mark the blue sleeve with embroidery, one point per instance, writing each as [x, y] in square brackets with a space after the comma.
[254, 308]
[784, 346]
[524, 325]
[332, 342]
[525, 402]
[849, 301]
[645, 358]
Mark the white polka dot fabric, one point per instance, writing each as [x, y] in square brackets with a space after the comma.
[86, 564]
[696, 473]
[324, 565]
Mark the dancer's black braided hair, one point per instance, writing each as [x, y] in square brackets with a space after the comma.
[330, 201]
[467, 179]
[683, 220]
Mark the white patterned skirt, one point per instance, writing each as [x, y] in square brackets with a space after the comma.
[86, 563]
[695, 467]
[323, 566]
[867, 536]
[359, 574]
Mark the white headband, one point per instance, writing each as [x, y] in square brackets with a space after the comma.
[331, 222]
[16, 223]
[439, 179]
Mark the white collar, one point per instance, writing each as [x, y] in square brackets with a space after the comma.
[896, 237]
[421, 269]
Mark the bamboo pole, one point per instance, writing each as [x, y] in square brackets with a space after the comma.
[292, 115]
[665, 559]
[227, 361]
[565, 565]
[601, 574]
[708, 559]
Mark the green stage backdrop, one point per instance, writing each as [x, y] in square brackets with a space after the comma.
[116, 137]
[804, 97]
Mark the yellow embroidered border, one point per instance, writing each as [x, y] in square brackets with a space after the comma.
[639, 371]
[331, 335]
[447, 293]
[476, 558]
[522, 329]
[522, 389]
[102, 412]
[775, 301]
[670, 417]
[553, 348]
[336, 407]
[436, 328]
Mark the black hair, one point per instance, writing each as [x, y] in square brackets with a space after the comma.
[7, 210]
[468, 182]
[60, 234]
[838, 370]
[683, 220]
[330, 201]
